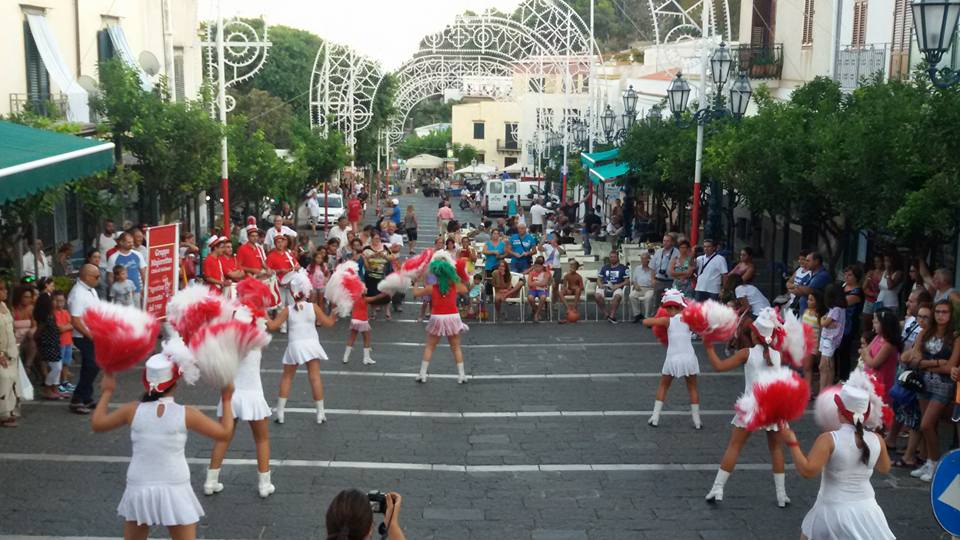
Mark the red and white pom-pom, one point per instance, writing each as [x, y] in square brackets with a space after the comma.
[778, 395]
[825, 409]
[403, 278]
[256, 295]
[395, 282]
[880, 413]
[461, 267]
[414, 266]
[194, 306]
[713, 321]
[660, 332]
[178, 353]
[220, 347]
[798, 340]
[344, 288]
[122, 335]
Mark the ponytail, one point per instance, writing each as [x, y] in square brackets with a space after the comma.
[861, 444]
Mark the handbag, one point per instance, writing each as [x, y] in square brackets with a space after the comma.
[911, 380]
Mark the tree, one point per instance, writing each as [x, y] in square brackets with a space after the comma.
[434, 110]
[434, 143]
[267, 113]
[286, 73]
[320, 156]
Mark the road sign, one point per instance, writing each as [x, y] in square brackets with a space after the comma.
[945, 492]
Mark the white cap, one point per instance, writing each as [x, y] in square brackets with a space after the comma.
[856, 401]
[159, 372]
[395, 202]
[673, 296]
[214, 240]
[766, 322]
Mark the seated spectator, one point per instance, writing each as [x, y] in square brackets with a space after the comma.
[539, 292]
[939, 284]
[503, 286]
[641, 289]
[611, 282]
[571, 286]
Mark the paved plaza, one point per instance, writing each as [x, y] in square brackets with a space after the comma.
[548, 440]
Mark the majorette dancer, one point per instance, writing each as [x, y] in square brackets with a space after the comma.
[681, 360]
[283, 263]
[158, 491]
[845, 458]
[757, 359]
[360, 324]
[303, 346]
[248, 403]
[444, 315]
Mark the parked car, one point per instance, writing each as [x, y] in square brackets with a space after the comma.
[334, 208]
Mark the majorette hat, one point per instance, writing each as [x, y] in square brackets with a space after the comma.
[252, 229]
[673, 297]
[214, 240]
[766, 323]
[159, 373]
[251, 220]
[853, 403]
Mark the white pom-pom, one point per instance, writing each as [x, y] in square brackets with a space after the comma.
[825, 409]
[178, 352]
[220, 347]
[395, 283]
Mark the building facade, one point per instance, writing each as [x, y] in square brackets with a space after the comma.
[52, 49]
[491, 127]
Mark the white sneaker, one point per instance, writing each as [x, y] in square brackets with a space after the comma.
[461, 379]
[921, 470]
[264, 486]
[321, 418]
[697, 424]
[369, 361]
[715, 494]
[928, 476]
[212, 484]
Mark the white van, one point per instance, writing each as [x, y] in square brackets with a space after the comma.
[496, 194]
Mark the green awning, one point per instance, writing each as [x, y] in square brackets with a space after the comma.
[609, 172]
[33, 160]
[591, 159]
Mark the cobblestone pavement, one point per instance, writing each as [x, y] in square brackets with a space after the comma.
[547, 441]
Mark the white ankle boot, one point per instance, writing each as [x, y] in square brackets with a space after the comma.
[263, 484]
[716, 492]
[655, 419]
[367, 360]
[212, 485]
[779, 482]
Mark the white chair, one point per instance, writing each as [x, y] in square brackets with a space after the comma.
[521, 298]
[583, 297]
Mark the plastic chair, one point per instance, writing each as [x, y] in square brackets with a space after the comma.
[521, 298]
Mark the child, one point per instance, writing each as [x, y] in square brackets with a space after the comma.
[681, 361]
[444, 319]
[539, 280]
[831, 332]
[475, 296]
[816, 309]
[571, 286]
[48, 346]
[317, 271]
[122, 290]
[360, 323]
[62, 318]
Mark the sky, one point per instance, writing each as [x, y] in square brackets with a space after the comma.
[386, 30]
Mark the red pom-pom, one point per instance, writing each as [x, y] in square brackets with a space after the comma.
[416, 265]
[219, 348]
[462, 271]
[122, 335]
[778, 395]
[194, 306]
[255, 294]
[660, 332]
[695, 317]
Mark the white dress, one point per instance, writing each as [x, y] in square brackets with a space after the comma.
[755, 365]
[248, 402]
[304, 344]
[846, 508]
[158, 480]
[681, 361]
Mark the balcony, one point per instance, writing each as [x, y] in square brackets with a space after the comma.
[50, 105]
[857, 63]
[759, 62]
[507, 146]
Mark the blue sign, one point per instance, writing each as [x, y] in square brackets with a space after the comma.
[945, 492]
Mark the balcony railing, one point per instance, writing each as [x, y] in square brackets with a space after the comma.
[758, 62]
[854, 64]
[507, 146]
[49, 105]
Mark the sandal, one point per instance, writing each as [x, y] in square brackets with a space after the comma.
[901, 464]
[10, 422]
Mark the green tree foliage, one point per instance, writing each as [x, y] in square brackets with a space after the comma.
[286, 73]
[267, 113]
[320, 156]
[434, 143]
[431, 111]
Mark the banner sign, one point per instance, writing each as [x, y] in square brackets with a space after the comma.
[163, 268]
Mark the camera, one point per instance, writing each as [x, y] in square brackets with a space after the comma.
[378, 502]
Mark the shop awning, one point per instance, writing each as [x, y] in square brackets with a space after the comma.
[32, 160]
[609, 172]
[591, 159]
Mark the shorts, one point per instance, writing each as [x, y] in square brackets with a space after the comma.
[869, 308]
[536, 229]
[53, 373]
[412, 235]
[538, 293]
[610, 293]
[557, 276]
[66, 355]
[519, 265]
[827, 348]
[937, 388]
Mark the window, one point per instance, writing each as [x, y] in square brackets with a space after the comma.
[38, 80]
[481, 158]
[494, 188]
[807, 35]
[180, 92]
[859, 23]
[510, 188]
[902, 26]
[105, 50]
[478, 130]
[508, 161]
[510, 135]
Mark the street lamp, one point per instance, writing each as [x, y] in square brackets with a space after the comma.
[608, 119]
[935, 23]
[630, 97]
[740, 92]
[678, 94]
[654, 114]
[720, 63]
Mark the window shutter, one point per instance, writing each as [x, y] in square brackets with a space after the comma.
[104, 46]
[859, 24]
[38, 80]
[180, 92]
[807, 37]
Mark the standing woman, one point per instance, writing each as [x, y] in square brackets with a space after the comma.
[850, 343]
[681, 361]
[882, 355]
[158, 491]
[846, 505]
[757, 359]
[410, 226]
[937, 349]
[745, 268]
[891, 280]
[304, 344]
[9, 365]
[682, 268]
[24, 327]
[376, 258]
[444, 315]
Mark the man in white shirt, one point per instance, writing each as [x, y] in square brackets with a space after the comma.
[35, 263]
[82, 296]
[642, 289]
[538, 214]
[711, 267]
[340, 230]
[661, 267]
[139, 245]
[393, 237]
[278, 228]
[107, 239]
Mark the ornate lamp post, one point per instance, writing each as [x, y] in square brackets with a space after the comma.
[935, 23]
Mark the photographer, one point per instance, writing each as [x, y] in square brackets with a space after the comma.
[350, 516]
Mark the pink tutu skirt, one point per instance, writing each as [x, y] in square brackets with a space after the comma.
[359, 326]
[446, 325]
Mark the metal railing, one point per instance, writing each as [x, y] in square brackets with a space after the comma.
[759, 62]
[49, 105]
[854, 64]
[507, 146]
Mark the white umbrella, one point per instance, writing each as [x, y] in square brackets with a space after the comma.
[516, 168]
[479, 168]
[424, 161]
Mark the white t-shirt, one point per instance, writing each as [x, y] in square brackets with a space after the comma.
[340, 234]
[710, 271]
[537, 213]
[105, 243]
[395, 239]
[272, 233]
[41, 265]
[753, 295]
[81, 297]
[551, 256]
[642, 277]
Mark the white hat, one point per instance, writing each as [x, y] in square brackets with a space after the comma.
[159, 373]
[252, 229]
[765, 323]
[214, 240]
[395, 202]
[856, 401]
[673, 297]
